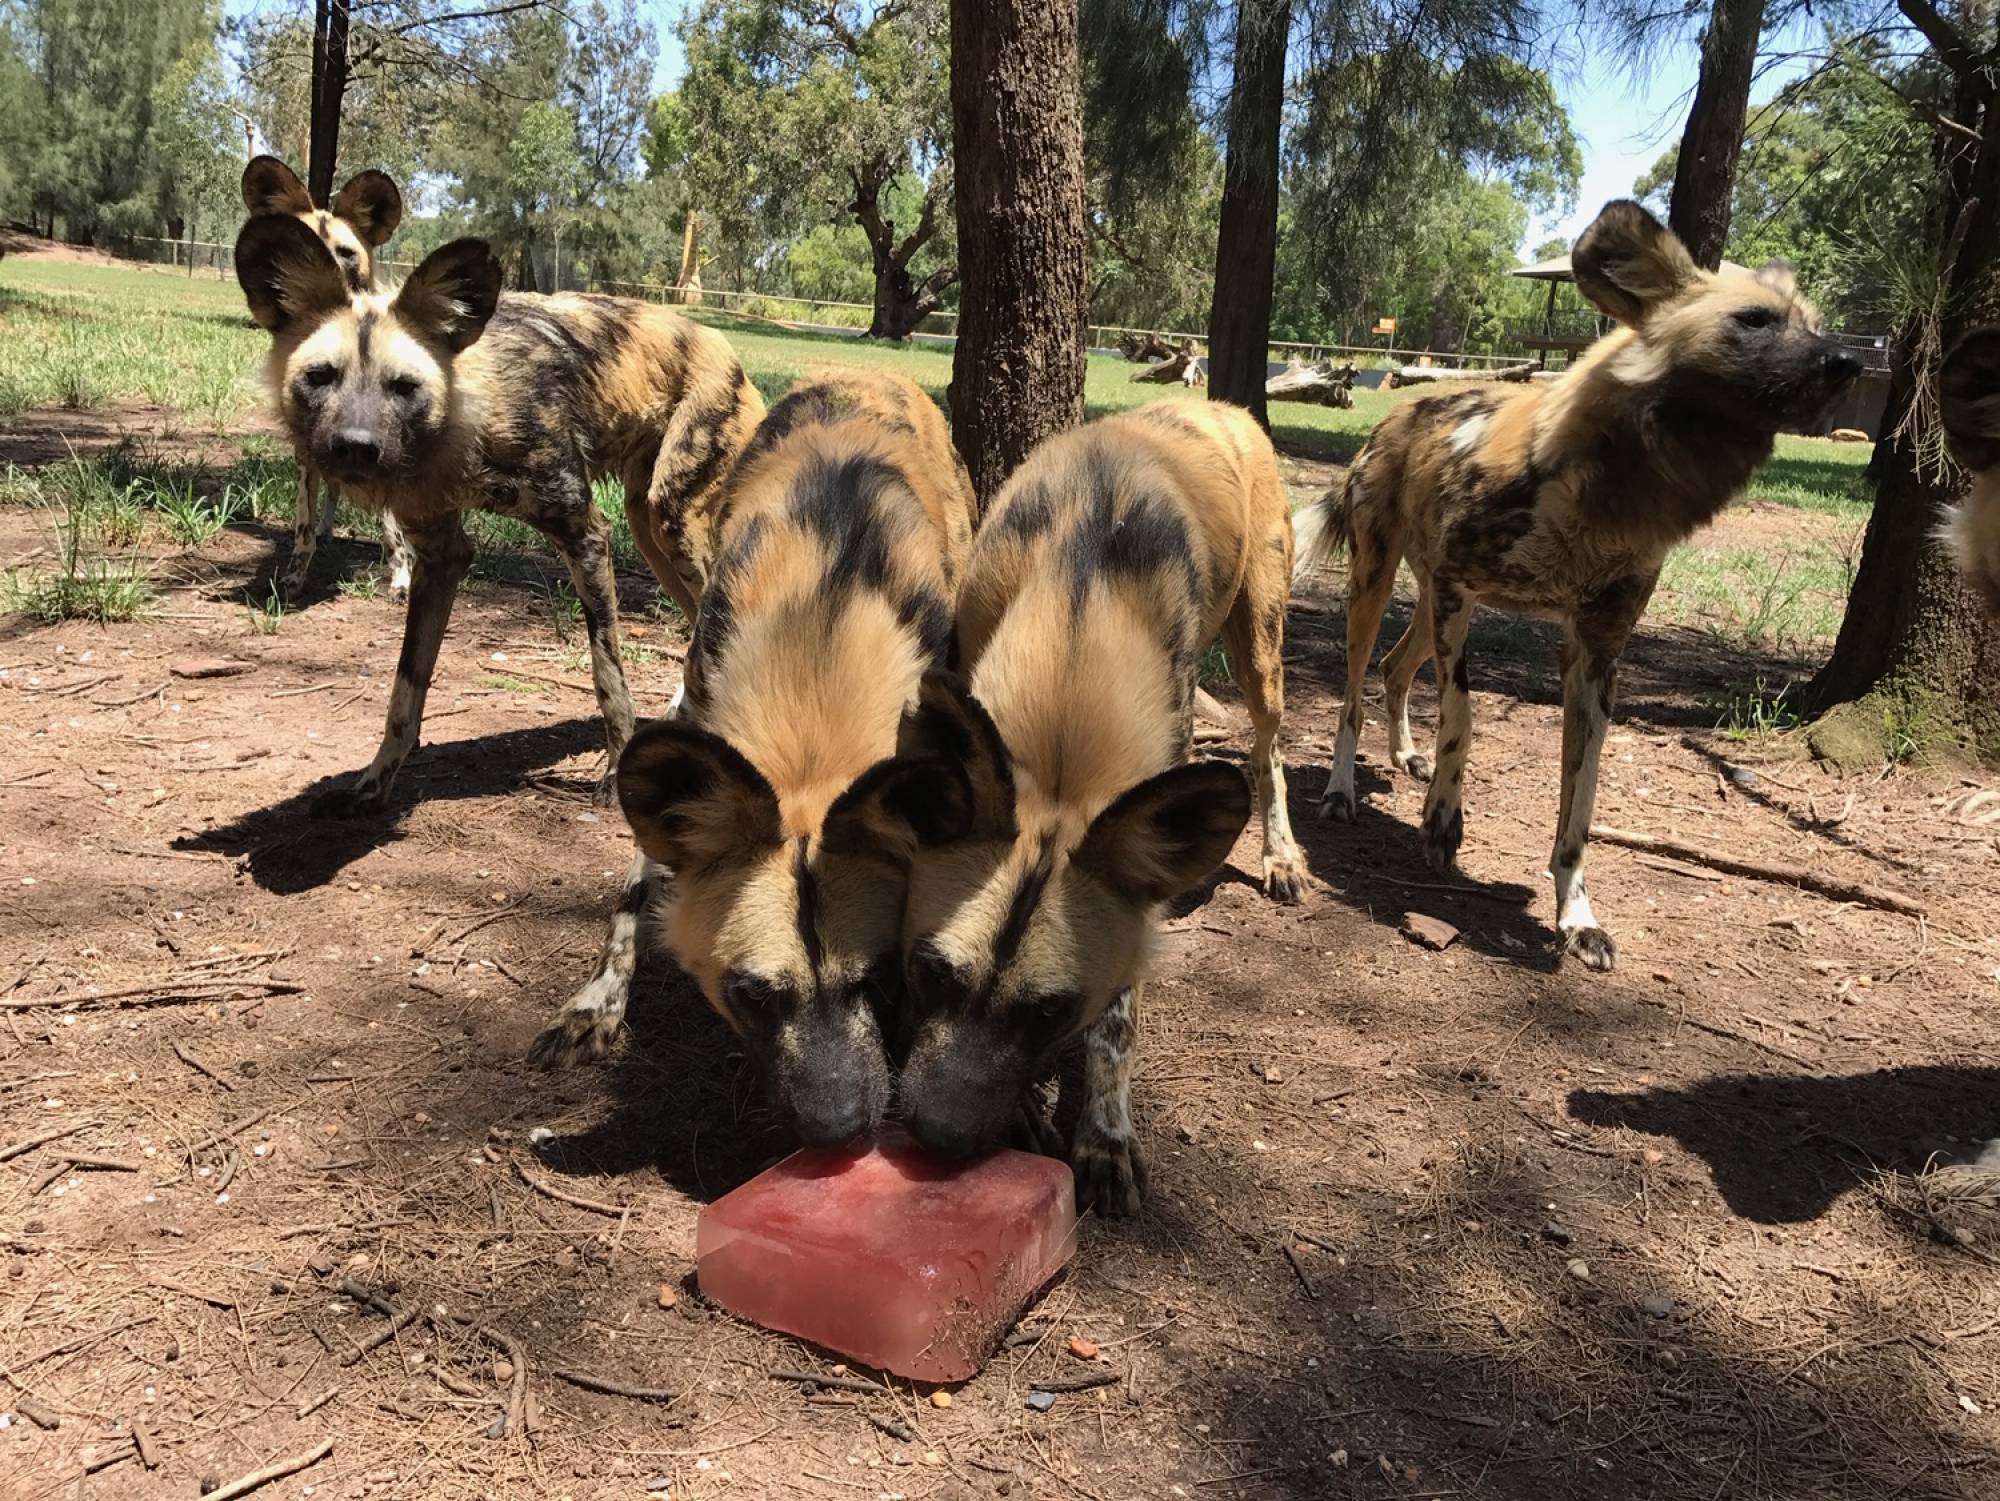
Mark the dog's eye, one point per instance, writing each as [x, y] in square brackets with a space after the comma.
[1050, 1013]
[1758, 317]
[750, 996]
[321, 376]
[933, 978]
[347, 252]
[402, 387]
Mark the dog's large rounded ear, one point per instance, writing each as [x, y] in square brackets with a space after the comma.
[1161, 837]
[271, 187]
[692, 798]
[1627, 263]
[372, 204]
[1969, 398]
[452, 294]
[951, 726]
[898, 807]
[286, 272]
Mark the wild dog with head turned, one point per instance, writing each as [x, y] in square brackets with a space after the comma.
[844, 534]
[1969, 398]
[359, 221]
[1562, 500]
[447, 396]
[1045, 801]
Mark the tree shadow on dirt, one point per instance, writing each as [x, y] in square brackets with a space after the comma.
[1783, 1149]
[289, 848]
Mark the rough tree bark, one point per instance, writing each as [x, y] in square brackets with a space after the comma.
[1916, 668]
[1705, 174]
[1246, 246]
[901, 301]
[329, 84]
[1017, 145]
[688, 281]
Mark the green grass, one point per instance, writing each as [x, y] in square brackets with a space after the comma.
[1789, 600]
[1752, 714]
[81, 335]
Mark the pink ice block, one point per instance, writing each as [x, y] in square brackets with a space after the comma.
[888, 1256]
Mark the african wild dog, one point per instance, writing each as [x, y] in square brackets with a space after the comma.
[447, 397]
[1969, 397]
[1562, 500]
[358, 222]
[1045, 802]
[843, 536]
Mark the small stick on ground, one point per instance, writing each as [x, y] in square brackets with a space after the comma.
[1784, 875]
[229, 1167]
[901, 1432]
[158, 992]
[595, 1206]
[142, 1440]
[517, 1393]
[396, 1325]
[121, 703]
[36, 1413]
[1299, 1271]
[181, 1052]
[215, 1137]
[312, 1405]
[831, 1383]
[29, 1144]
[271, 1472]
[214, 1300]
[1315, 1240]
[1078, 1383]
[302, 692]
[366, 1296]
[105, 1164]
[611, 1388]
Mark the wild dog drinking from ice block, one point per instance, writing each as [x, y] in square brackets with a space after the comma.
[844, 535]
[1046, 802]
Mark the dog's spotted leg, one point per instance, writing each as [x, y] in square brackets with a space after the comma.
[396, 557]
[1399, 669]
[1255, 636]
[1371, 579]
[1444, 804]
[1591, 647]
[1105, 1153]
[309, 520]
[583, 537]
[589, 1022]
[442, 555]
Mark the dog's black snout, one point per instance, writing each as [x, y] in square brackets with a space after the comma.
[834, 1123]
[947, 1132]
[1842, 366]
[355, 448]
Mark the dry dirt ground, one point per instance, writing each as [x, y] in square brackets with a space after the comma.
[1423, 1224]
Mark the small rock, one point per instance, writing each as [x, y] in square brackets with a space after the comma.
[210, 667]
[320, 1266]
[1082, 1348]
[1667, 1360]
[1429, 932]
[1580, 1270]
[1968, 1404]
[1664, 976]
[1656, 1305]
[838, 1370]
[1962, 1236]
[1041, 1401]
[668, 1297]
[1652, 1156]
[1555, 1233]
[1741, 776]
[503, 1370]
[1273, 1074]
[210, 1482]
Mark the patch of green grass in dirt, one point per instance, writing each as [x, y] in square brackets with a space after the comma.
[1753, 713]
[507, 683]
[1791, 599]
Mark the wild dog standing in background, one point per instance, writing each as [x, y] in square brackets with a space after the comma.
[1562, 500]
[448, 397]
[846, 529]
[1969, 395]
[1046, 802]
[361, 218]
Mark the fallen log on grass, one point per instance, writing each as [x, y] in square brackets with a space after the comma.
[1418, 375]
[1324, 384]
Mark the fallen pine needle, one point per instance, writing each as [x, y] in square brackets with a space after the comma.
[561, 1195]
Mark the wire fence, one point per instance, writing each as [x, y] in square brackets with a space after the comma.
[828, 315]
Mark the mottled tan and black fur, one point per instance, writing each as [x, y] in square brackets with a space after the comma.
[1045, 800]
[1561, 500]
[1969, 400]
[842, 539]
[359, 221]
[446, 397]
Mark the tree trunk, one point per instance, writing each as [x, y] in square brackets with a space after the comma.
[1705, 175]
[1246, 246]
[1916, 667]
[329, 84]
[1017, 145]
[689, 280]
[901, 303]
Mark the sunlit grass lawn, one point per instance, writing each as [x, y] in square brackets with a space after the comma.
[82, 335]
